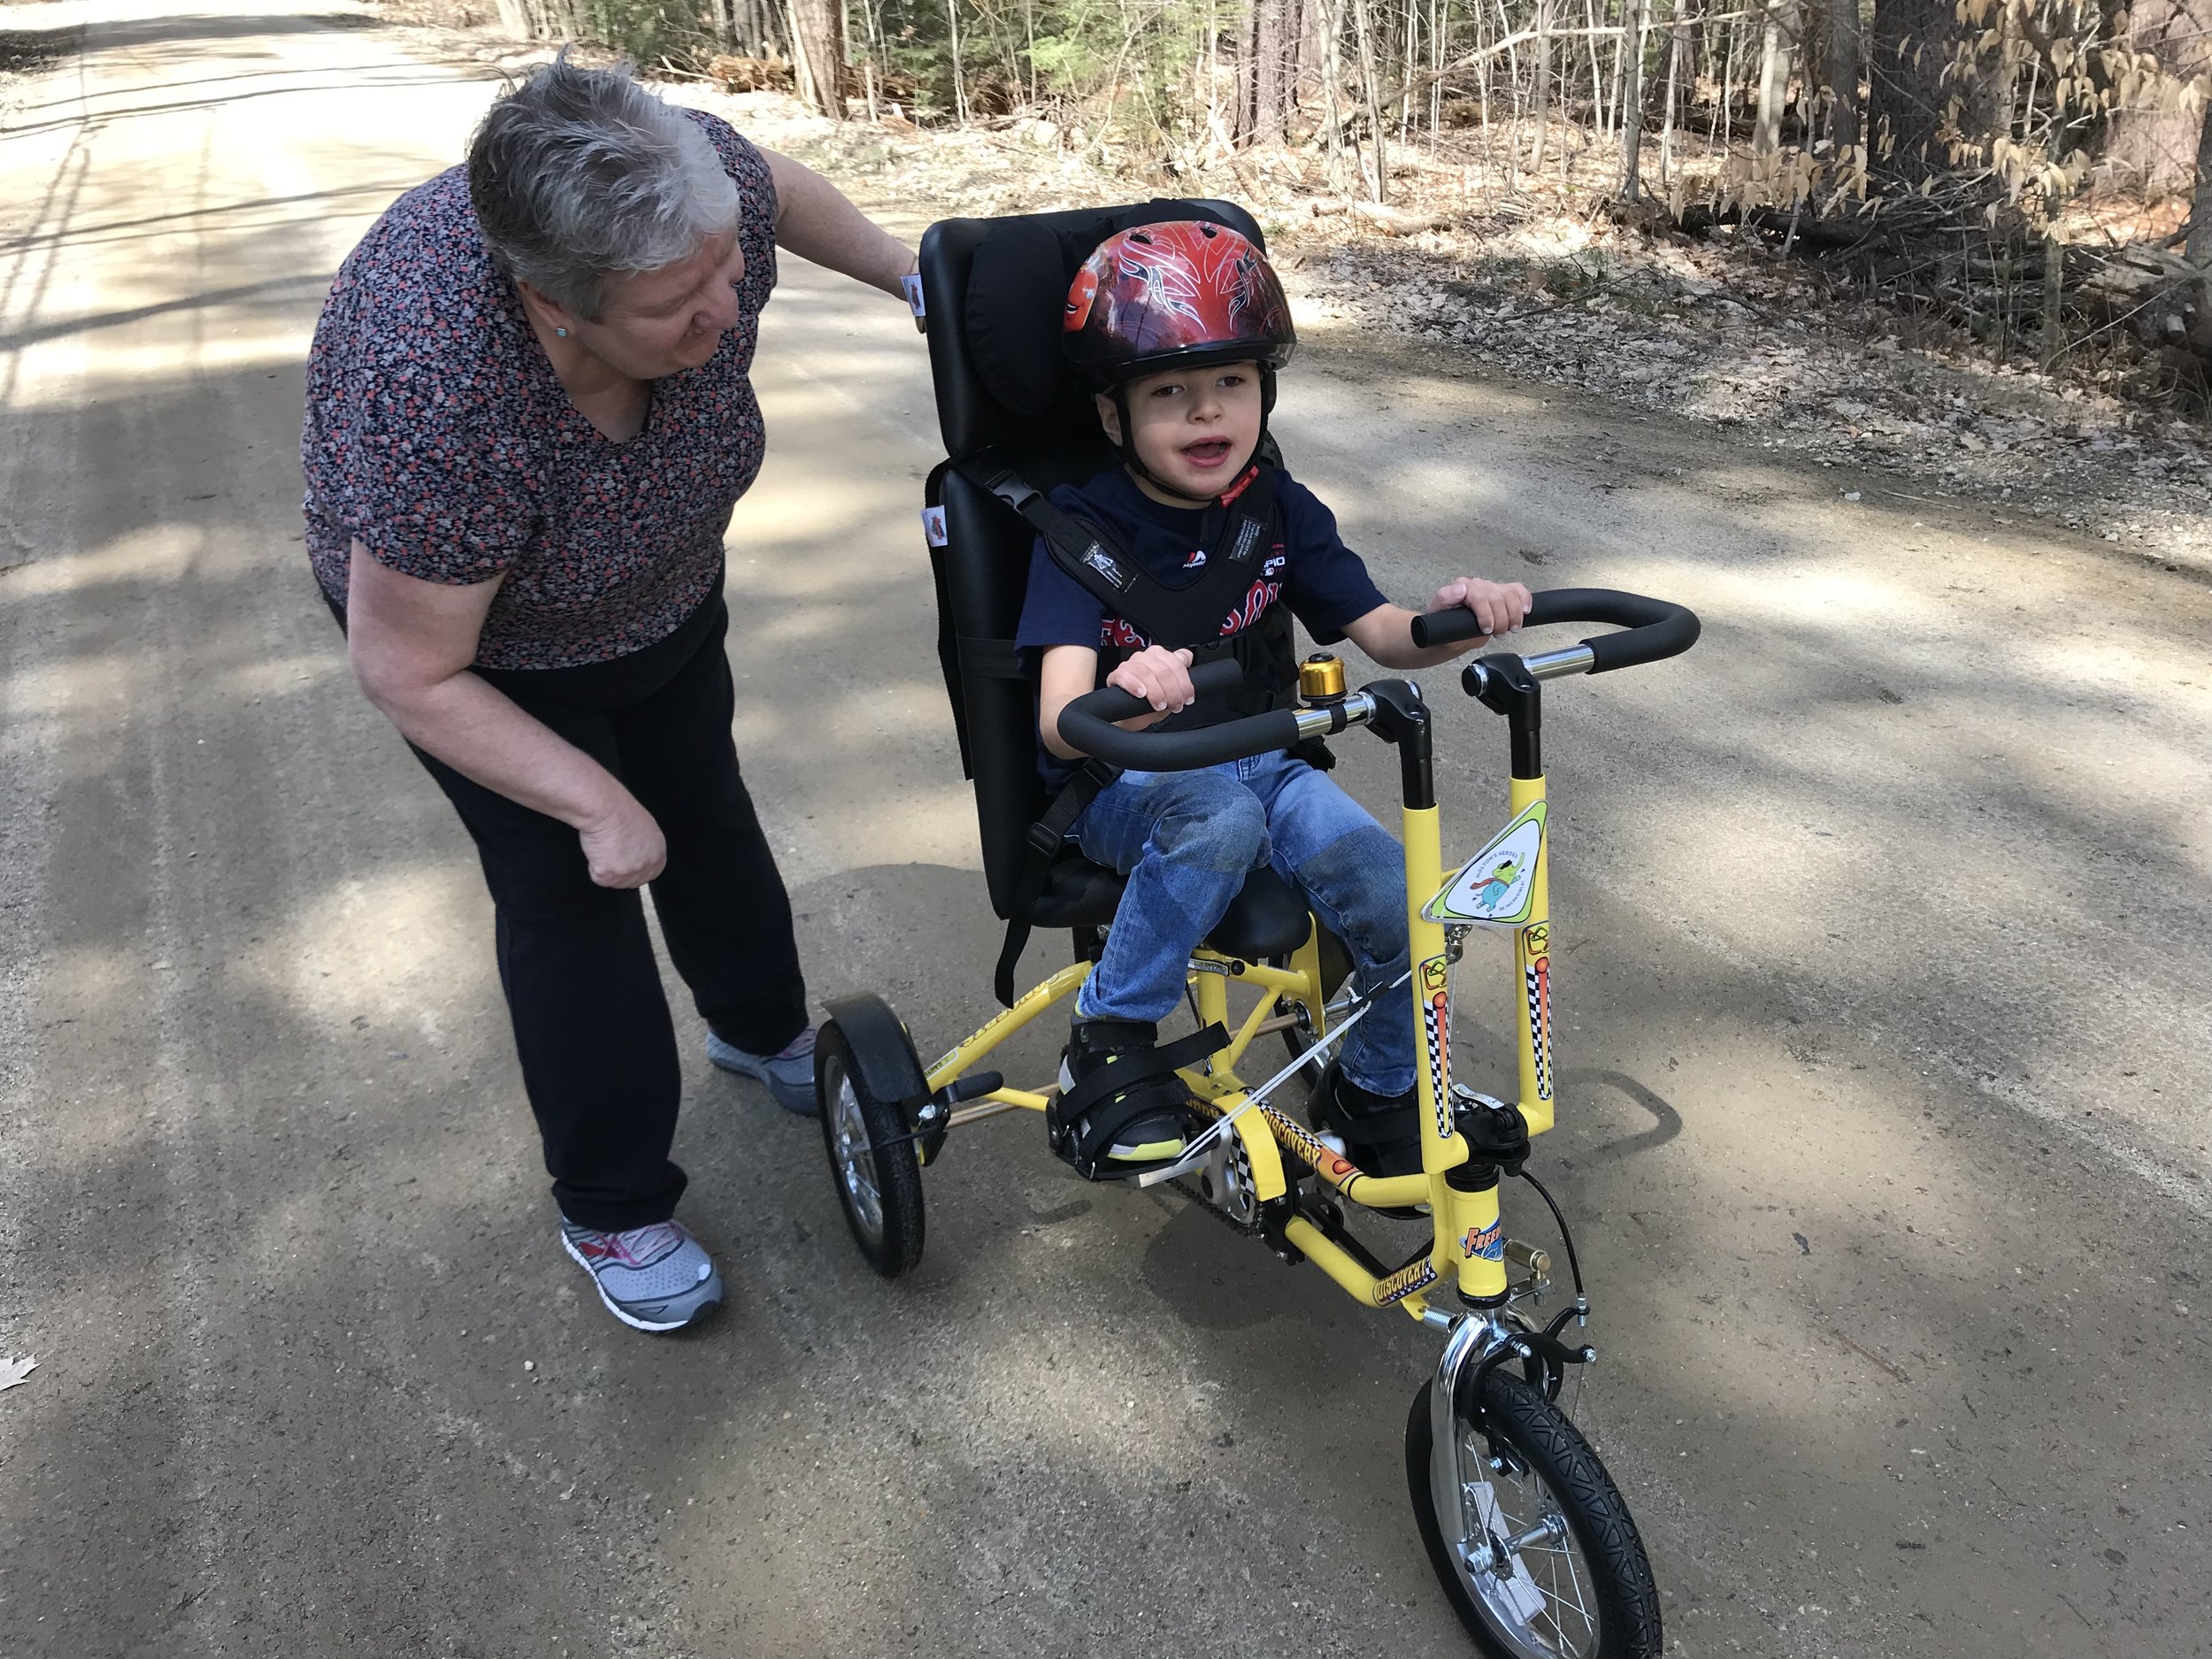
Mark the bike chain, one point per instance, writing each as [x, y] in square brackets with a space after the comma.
[1248, 1229]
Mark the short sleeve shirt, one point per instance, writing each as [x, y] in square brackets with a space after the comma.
[437, 433]
[1325, 583]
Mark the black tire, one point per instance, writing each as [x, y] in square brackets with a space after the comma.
[1598, 1570]
[877, 1173]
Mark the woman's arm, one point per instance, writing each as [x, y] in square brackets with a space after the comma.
[815, 221]
[411, 642]
[1386, 633]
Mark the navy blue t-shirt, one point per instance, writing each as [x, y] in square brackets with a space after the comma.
[1325, 583]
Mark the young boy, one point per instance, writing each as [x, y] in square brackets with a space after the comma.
[1180, 328]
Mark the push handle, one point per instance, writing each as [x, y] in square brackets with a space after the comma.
[1652, 629]
[1088, 723]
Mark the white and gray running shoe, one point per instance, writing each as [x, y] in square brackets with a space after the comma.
[789, 1074]
[651, 1279]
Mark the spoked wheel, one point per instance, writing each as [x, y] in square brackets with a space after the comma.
[879, 1177]
[1548, 1565]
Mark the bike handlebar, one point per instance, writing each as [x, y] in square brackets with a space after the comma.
[1088, 723]
[1652, 629]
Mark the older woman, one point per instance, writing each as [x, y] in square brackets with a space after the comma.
[528, 418]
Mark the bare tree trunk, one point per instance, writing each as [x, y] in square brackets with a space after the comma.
[1371, 95]
[1513, 70]
[1774, 75]
[1029, 42]
[1635, 18]
[1440, 21]
[2198, 250]
[1332, 89]
[1843, 74]
[818, 41]
[1541, 115]
[1678, 60]
[960, 80]
[1269, 66]
[1597, 76]
[1911, 47]
[1620, 64]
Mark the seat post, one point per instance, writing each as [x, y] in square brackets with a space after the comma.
[1087, 943]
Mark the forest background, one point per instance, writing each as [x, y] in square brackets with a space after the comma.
[1733, 209]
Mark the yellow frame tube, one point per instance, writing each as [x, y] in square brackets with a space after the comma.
[1467, 1227]
[980, 1043]
[1464, 1223]
[1531, 961]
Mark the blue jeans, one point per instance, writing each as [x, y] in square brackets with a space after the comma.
[1186, 841]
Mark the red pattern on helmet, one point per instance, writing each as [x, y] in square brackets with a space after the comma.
[1158, 293]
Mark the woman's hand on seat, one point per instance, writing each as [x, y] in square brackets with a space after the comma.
[1160, 676]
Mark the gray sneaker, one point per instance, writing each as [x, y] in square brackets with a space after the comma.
[651, 1279]
[789, 1074]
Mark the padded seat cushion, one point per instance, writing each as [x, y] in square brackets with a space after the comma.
[1266, 918]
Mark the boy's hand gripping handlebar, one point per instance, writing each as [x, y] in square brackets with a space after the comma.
[1652, 630]
[1088, 723]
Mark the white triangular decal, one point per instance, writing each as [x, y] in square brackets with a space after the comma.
[1499, 883]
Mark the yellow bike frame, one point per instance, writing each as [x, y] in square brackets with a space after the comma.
[1467, 1245]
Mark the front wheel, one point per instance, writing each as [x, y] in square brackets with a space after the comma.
[1548, 1565]
[872, 1157]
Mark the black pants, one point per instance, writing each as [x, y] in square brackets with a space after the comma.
[592, 1026]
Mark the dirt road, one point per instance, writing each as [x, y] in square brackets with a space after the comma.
[1885, 991]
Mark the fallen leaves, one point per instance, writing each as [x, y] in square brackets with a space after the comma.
[14, 1371]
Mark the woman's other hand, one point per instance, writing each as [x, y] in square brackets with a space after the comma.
[623, 846]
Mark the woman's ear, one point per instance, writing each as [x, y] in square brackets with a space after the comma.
[563, 321]
[1109, 418]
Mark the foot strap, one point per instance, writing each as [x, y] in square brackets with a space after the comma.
[1137, 1085]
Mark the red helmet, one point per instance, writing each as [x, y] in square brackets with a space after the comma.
[1188, 292]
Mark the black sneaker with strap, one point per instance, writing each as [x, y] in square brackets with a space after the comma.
[1381, 1132]
[1122, 1110]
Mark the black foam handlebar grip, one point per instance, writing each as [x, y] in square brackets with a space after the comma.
[1652, 629]
[1088, 723]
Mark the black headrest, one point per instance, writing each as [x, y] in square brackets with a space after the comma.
[999, 287]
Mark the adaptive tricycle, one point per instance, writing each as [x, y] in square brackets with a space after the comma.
[1527, 1533]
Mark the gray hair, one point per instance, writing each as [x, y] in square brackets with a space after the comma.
[578, 175]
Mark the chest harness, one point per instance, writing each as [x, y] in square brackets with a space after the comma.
[1190, 619]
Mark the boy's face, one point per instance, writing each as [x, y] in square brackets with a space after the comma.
[1193, 429]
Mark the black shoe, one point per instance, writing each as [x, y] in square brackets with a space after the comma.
[1381, 1132]
[1106, 1131]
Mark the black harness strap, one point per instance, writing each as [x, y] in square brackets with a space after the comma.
[988, 658]
[1046, 837]
[1176, 617]
[1091, 556]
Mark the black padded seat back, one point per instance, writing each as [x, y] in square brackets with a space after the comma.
[995, 290]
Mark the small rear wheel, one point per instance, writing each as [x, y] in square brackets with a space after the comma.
[1548, 1565]
[871, 1159]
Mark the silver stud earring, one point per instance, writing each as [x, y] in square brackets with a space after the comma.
[562, 333]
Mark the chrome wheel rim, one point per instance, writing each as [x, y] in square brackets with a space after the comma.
[1519, 1559]
[855, 1163]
